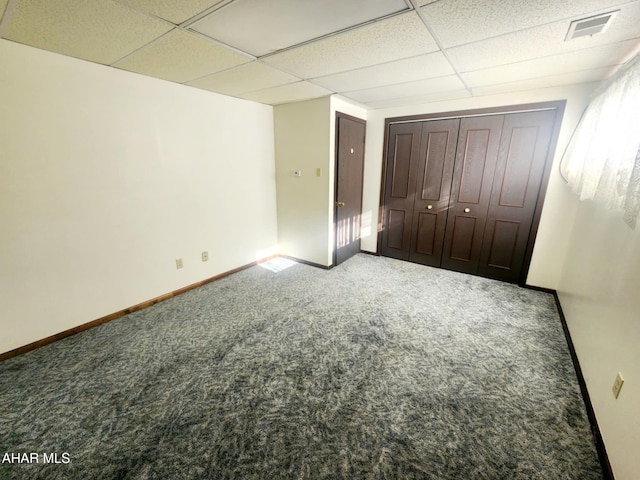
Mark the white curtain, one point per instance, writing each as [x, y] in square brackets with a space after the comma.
[604, 160]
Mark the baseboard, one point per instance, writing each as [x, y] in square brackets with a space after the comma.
[539, 289]
[595, 429]
[306, 262]
[122, 313]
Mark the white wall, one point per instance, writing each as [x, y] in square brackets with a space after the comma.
[600, 295]
[106, 177]
[302, 143]
[305, 140]
[558, 212]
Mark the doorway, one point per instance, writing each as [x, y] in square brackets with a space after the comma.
[349, 172]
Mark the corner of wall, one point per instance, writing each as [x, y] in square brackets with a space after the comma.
[302, 132]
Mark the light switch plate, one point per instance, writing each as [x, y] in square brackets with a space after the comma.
[617, 385]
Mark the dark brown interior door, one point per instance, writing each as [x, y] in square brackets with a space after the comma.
[475, 165]
[433, 188]
[350, 136]
[522, 154]
[403, 150]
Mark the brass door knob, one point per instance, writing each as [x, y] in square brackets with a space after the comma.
[340, 204]
[429, 207]
[467, 210]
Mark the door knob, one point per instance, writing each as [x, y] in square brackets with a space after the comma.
[429, 207]
[467, 210]
[340, 204]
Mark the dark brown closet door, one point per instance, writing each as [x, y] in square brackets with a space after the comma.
[474, 170]
[521, 160]
[433, 188]
[400, 184]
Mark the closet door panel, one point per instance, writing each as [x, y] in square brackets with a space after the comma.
[500, 243]
[433, 188]
[425, 237]
[475, 166]
[396, 220]
[401, 163]
[474, 163]
[463, 237]
[521, 161]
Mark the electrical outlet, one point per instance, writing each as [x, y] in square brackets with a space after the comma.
[205, 256]
[617, 385]
[179, 263]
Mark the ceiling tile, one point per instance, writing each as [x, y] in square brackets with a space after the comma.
[462, 21]
[362, 47]
[260, 27]
[410, 89]
[571, 78]
[292, 92]
[428, 98]
[171, 10]
[181, 57]
[542, 41]
[406, 70]
[244, 78]
[99, 30]
[385, 62]
[590, 58]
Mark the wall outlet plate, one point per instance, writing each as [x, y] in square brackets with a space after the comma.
[179, 263]
[617, 385]
[205, 256]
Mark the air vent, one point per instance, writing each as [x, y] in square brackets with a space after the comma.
[590, 26]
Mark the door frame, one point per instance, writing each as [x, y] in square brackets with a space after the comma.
[558, 106]
[339, 115]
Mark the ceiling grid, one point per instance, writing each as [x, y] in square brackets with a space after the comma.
[378, 53]
[424, 19]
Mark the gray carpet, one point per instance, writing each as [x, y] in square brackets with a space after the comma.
[377, 369]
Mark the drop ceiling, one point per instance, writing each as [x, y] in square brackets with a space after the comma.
[379, 53]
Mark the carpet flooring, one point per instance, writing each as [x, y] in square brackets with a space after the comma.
[376, 369]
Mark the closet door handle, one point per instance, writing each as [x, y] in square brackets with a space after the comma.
[429, 207]
[467, 210]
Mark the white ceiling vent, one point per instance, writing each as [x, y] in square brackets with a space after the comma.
[590, 25]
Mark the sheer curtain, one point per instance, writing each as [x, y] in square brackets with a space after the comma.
[604, 160]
